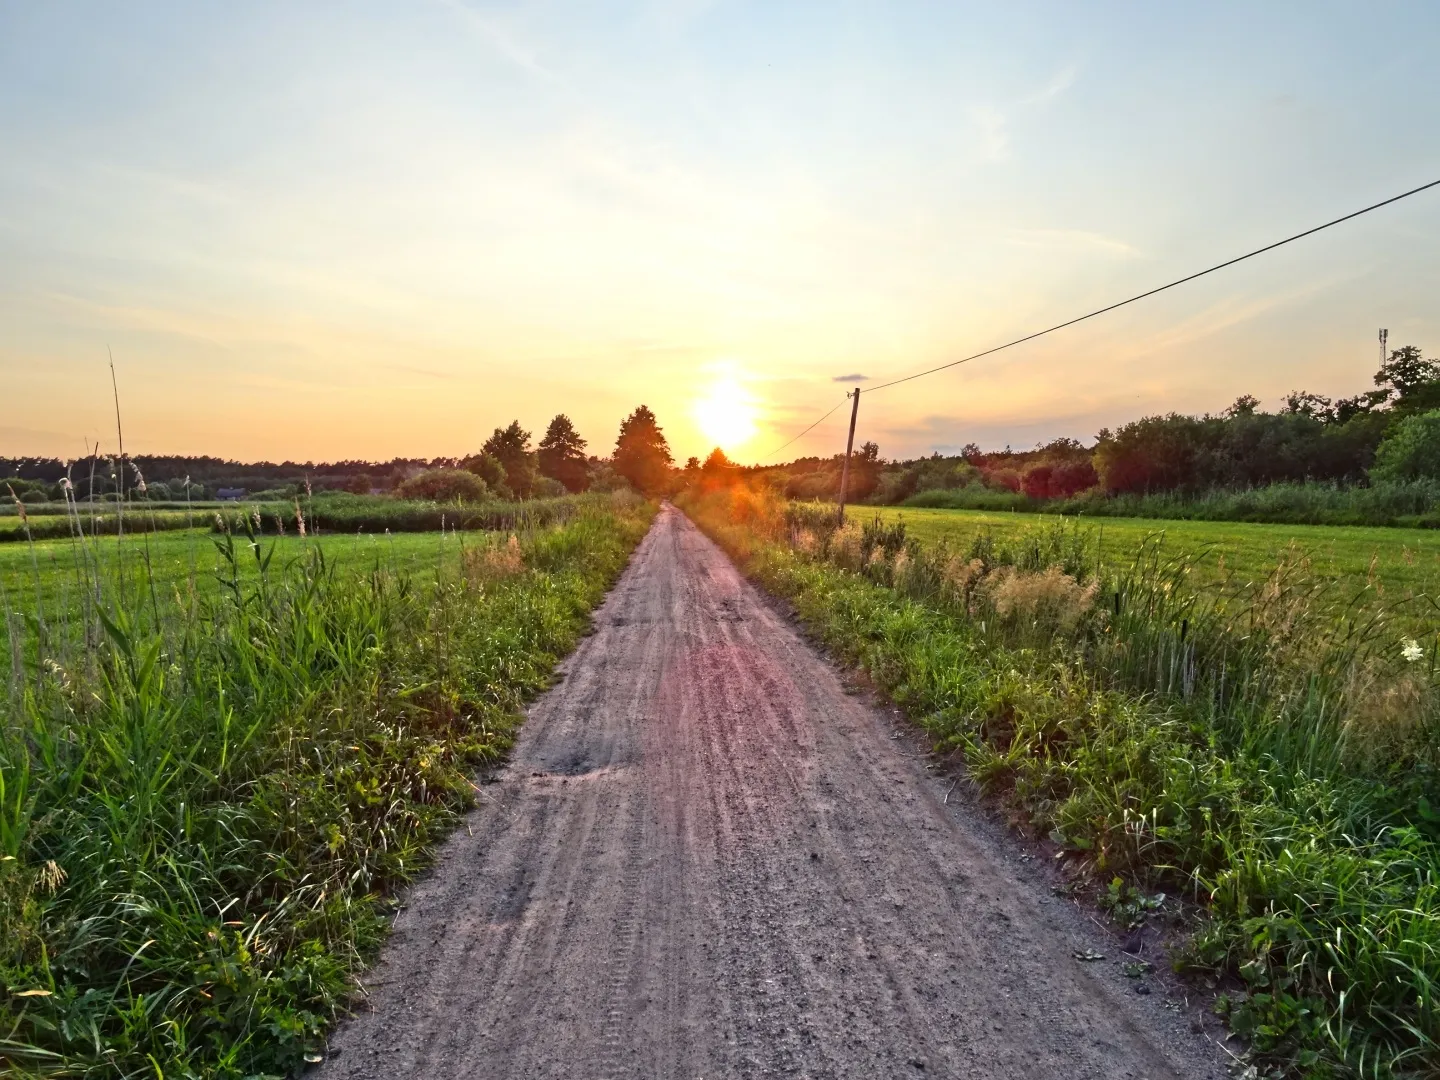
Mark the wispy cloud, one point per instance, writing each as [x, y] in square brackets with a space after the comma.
[1061, 81]
[1073, 238]
[851, 378]
[501, 38]
[992, 122]
[992, 132]
[1227, 313]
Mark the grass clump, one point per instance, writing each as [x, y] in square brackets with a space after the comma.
[212, 783]
[327, 511]
[1265, 749]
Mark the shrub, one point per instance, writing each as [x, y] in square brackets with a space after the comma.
[1411, 451]
[490, 470]
[445, 485]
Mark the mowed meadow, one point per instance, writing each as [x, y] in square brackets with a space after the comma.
[1397, 570]
[223, 750]
[1228, 735]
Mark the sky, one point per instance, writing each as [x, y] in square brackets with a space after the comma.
[363, 230]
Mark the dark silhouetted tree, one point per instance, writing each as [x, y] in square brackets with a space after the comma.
[562, 455]
[1407, 371]
[642, 455]
[1245, 405]
[1304, 403]
[491, 471]
[510, 446]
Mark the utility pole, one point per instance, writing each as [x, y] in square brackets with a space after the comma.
[849, 446]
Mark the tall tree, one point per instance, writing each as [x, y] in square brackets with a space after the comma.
[642, 455]
[1416, 381]
[510, 446]
[1407, 371]
[562, 455]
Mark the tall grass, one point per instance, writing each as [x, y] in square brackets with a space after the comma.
[376, 514]
[208, 796]
[1267, 751]
[1414, 504]
[331, 512]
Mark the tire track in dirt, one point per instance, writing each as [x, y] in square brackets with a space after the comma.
[706, 859]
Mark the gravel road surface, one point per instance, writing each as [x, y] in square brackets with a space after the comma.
[708, 860]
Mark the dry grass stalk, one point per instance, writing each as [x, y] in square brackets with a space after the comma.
[482, 564]
[1049, 595]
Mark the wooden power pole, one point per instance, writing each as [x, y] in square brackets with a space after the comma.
[849, 446]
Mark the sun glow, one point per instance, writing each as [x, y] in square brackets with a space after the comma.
[726, 413]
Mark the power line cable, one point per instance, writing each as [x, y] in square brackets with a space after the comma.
[807, 431]
[1152, 292]
[1111, 307]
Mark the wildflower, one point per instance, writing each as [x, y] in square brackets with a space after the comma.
[1411, 650]
[299, 519]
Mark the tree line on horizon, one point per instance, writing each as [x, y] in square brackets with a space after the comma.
[1387, 435]
[505, 467]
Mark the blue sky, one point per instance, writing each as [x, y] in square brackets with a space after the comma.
[354, 230]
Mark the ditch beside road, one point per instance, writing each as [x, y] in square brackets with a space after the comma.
[707, 858]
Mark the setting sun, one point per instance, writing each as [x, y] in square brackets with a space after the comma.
[726, 413]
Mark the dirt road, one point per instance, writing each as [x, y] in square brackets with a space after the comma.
[706, 859]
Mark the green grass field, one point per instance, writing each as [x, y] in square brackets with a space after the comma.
[157, 568]
[1395, 564]
[171, 557]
